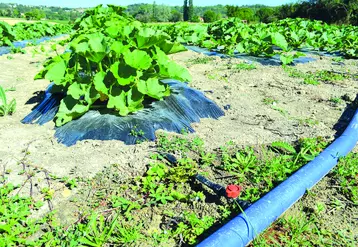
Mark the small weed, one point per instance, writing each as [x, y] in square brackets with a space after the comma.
[261, 175]
[192, 226]
[16, 226]
[308, 122]
[315, 78]
[335, 100]
[5, 107]
[346, 175]
[48, 193]
[280, 110]
[201, 60]
[216, 76]
[245, 66]
[338, 59]
[11, 89]
[269, 101]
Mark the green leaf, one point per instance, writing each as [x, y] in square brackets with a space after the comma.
[3, 100]
[138, 59]
[284, 146]
[286, 58]
[134, 99]
[97, 47]
[118, 47]
[117, 100]
[170, 69]
[124, 74]
[156, 89]
[56, 71]
[69, 109]
[99, 84]
[147, 37]
[75, 90]
[279, 40]
[170, 48]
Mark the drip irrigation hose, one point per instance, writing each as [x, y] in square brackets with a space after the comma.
[217, 188]
[243, 228]
[220, 190]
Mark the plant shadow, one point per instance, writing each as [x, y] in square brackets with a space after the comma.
[36, 98]
[346, 117]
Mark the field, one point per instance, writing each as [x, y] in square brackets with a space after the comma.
[103, 193]
[13, 21]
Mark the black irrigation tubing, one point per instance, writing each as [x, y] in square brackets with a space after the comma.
[217, 188]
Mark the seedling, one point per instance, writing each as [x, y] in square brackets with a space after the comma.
[245, 66]
[335, 100]
[201, 60]
[5, 107]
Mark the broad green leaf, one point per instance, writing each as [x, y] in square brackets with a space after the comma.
[286, 58]
[169, 69]
[124, 74]
[97, 47]
[69, 109]
[156, 89]
[148, 37]
[56, 71]
[138, 59]
[134, 99]
[117, 100]
[170, 48]
[118, 47]
[279, 40]
[92, 95]
[75, 90]
[81, 48]
[99, 84]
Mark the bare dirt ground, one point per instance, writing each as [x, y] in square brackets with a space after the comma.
[262, 105]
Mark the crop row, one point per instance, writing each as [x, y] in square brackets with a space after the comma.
[280, 37]
[27, 31]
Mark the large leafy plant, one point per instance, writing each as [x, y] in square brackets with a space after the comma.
[281, 37]
[25, 31]
[6, 34]
[114, 62]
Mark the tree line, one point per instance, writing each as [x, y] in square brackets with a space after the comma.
[330, 11]
[38, 12]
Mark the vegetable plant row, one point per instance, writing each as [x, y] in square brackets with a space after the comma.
[114, 63]
[263, 39]
[27, 31]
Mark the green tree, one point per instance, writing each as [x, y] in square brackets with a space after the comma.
[191, 11]
[16, 13]
[163, 13]
[242, 13]
[210, 16]
[35, 14]
[266, 15]
[154, 14]
[185, 11]
[175, 16]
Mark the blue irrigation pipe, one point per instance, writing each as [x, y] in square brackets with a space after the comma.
[243, 228]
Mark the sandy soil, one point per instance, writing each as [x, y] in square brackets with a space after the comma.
[301, 111]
